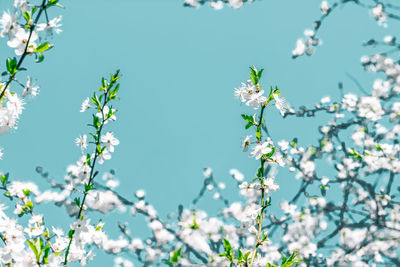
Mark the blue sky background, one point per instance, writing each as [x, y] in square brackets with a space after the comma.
[177, 113]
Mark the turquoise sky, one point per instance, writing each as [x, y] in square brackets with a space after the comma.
[177, 113]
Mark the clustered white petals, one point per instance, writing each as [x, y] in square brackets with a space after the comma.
[85, 105]
[281, 104]
[250, 94]
[260, 149]
[82, 142]
[306, 45]
[10, 113]
[51, 27]
[378, 13]
[109, 141]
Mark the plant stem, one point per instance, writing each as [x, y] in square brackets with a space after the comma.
[261, 179]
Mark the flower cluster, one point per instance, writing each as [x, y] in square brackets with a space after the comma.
[305, 46]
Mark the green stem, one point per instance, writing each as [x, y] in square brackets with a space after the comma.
[261, 179]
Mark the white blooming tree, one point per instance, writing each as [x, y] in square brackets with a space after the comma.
[346, 213]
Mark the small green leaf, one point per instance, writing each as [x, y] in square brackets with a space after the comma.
[26, 192]
[27, 17]
[46, 254]
[33, 247]
[270, 154]
[88, 187]
[54, 3]
[96, 101]
[71, 233]
[4, 178]
[259, 74]
[29, 205]
[11, 65]
[267, 202]
[294, 143]
[40, 58]
[248, 125]
[96, 122]
[43, 47]
[77, 201]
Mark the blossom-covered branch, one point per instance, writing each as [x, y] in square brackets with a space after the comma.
[22, 28]
[103, 145]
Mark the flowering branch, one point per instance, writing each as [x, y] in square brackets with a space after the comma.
[28, 47]
[103, 143]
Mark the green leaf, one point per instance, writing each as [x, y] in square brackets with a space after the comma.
[77, 201]
[71, 233]
[88, 187]
[96, 122]
[29, 205]
[43, 47]
[228, 249]
[4, 178]
[175, 255]
[33, 247]
[267, 202]
[246, 256]
[46, 254]
[54, 3]
[283, 259]
[294, 259]
[264, 237]
[88, 159]
[253, 71]
[27, 17]
[254, 79]
[11, 64]
[96, 101]
[40, 58]
[37, 247]
[270, 154]
[240, 255]
[259, 74]
[195, 225]
[26, 192]
[294, 143]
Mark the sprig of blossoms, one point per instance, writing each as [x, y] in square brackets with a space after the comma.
[379, 11]
[24, 33]
[265, 151]
[83, 173]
